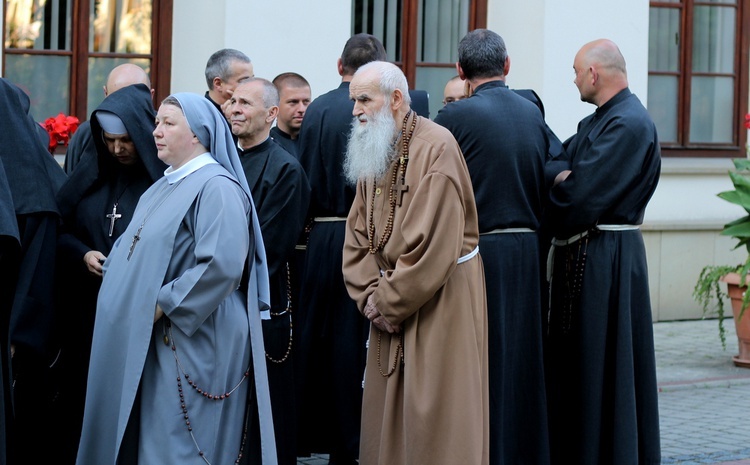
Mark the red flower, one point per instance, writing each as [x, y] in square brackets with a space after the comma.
[747, 121]
[60, 128]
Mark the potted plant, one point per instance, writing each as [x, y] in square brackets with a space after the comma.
[708, 291]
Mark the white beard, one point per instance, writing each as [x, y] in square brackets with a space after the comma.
[370, 150]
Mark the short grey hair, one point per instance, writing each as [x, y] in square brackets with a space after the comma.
[220, 62]
[270, 92]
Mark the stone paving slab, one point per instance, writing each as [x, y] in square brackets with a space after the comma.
[315, 459]
[689, 354]
[704, 400]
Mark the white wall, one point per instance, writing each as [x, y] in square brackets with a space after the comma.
[278, 36]
[197, 32]
[543, 37]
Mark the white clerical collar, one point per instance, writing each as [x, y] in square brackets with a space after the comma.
[242, 150]
[195, 164]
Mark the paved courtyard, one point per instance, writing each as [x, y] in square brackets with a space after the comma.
[704, 400]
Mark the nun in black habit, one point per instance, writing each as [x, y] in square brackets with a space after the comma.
[33, 177]
[97, 203]
[10, 246]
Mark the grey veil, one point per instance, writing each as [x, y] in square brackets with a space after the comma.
[213, 132]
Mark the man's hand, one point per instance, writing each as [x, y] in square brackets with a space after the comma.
[382, 324]
[561, 176]
[226, 109]
[94, 260]
[372, 313]
[158, 313]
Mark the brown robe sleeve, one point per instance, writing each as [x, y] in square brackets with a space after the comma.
[426, 243]
[360, 269]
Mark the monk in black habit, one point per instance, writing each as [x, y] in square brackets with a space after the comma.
[97, 203]
[505, 142]
[33, 178]
[281, 195]
[10, 246]
[333, 333]
[601, 370]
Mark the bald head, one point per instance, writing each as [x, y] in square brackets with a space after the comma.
[600, 71]
[605, 54]
[126, 75]
[454, 90]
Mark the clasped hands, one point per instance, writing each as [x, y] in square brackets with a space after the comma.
[372, 313]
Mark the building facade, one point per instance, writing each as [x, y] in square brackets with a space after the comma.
[687, 61]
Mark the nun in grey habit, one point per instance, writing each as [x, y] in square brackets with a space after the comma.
[177, 353]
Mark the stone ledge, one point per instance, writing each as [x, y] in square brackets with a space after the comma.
[672, 166]
[684, 226]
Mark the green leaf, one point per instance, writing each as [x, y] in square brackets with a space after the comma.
[739, 178]
[739, 230]
[744, 219]
[737, 197]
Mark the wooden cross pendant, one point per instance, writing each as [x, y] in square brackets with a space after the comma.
[114, 216]
[399, 189]
[136, 238]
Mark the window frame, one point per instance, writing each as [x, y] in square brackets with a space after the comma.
[410, 26]
[160, 56]
[683, 148]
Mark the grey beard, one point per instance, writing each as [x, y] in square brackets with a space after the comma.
[370, 150]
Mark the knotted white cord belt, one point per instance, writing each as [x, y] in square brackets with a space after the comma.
[508, 231]
[573, 239]
[468, 256]
[320, 219]
[460, 260]
[328, 219]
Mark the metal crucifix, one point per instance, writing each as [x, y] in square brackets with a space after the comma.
[114, 216]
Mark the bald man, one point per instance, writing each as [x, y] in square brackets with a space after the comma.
[81, 143]
[454, 90]
[601, 375]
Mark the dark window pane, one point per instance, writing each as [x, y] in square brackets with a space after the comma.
[45, 79]
[121, 26]
[664, 40]
[713, 39]
[433, 80]
[381, 18]
[38, 25]
[99, 69]
[441, 25]
[711, 108]
[662, 105]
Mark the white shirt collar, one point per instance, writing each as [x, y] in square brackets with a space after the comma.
[191, 166]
